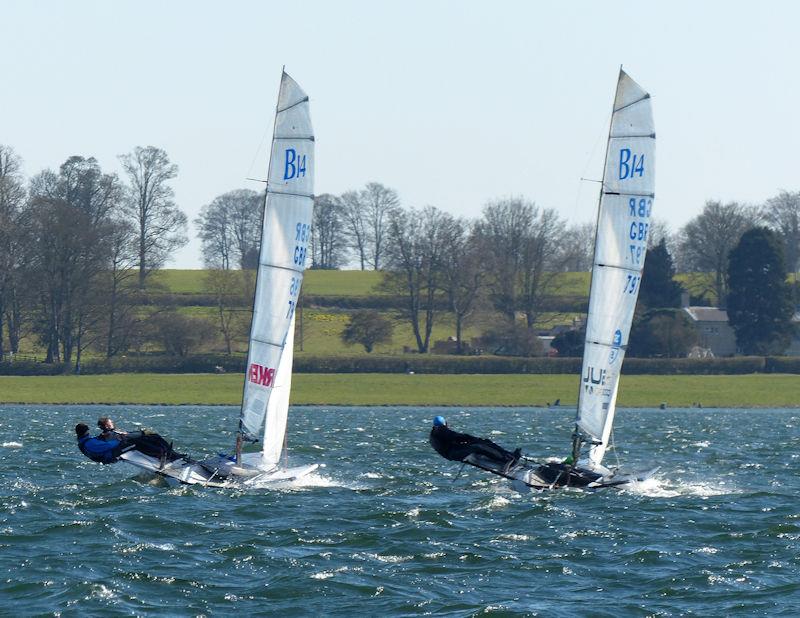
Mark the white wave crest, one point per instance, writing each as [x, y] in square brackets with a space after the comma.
[11, 444]
[662, 488]
[497, 502]
[328, 574]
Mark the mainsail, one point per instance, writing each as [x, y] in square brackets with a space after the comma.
[285, 234]
[623, 222]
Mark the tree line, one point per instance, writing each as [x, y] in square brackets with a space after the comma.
[77, 243]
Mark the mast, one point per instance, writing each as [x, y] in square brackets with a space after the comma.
[621, 236]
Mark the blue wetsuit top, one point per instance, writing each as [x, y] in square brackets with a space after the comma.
[101, 451]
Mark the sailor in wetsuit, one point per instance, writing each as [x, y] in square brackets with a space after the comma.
[101, 451]
[107, 446]
[456, 446]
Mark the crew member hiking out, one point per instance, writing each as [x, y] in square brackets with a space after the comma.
[457, 446]
[101, 451]
[110, 443]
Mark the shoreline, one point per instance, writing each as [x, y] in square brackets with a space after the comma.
[401, 390]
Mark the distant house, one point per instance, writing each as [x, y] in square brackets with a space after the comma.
[718, 336]
[714, 332]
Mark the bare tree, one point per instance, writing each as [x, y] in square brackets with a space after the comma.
[415, 247]
[327, 232]
[578, 247]
[502, 234]
[246, 213]
[462, 271]
[227, 288]
[379, 204]
[12, 200]
[782, 214]
[215, 235]
[120, 301]
[367, 215]
[355, 225]
[708, 238]
[82, 184]
[160, 225]
[67, 237]
[230, 229]
[521, 245]
[541, 262]
[68, 253]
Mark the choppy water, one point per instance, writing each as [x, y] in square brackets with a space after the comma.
[383, 529]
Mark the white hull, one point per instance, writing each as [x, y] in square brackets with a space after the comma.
[217, 471]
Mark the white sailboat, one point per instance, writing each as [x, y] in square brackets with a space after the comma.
[285, 234]
[623, 220]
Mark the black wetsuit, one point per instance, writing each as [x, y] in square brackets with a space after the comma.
[456, 446]
[147, 443]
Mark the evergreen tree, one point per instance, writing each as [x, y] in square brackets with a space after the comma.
[760, 304]
[659, 289]
[666, 333]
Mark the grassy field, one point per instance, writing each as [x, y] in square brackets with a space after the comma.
[761, 390]
[318, 282]
[364, 283]
[322, 329]
[337, 282]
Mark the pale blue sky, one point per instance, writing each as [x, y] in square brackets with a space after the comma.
[450, 103]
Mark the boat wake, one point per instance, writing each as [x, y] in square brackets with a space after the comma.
[656, 487]
[309, 481]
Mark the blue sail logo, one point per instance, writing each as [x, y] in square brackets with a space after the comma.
[616, 344]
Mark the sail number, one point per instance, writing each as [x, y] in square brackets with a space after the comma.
[632, 284]
[302, 232]
[294, 290]
[630, 164]
[640, 207]
[638, 230]
[295, 165]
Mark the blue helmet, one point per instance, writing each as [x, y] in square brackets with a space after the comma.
[439, 421]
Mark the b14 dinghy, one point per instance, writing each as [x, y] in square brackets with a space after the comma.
[285, 235]
[623, 221]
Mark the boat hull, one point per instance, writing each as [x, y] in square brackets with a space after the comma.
[215, 471]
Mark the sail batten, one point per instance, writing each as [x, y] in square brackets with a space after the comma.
[285, 236]
[273, 192]
[631, 104]
[623, 223]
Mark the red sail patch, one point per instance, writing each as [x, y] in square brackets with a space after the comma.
[261, 375]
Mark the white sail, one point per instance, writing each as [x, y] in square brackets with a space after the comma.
[278, 405]
[623, 223]
[285, 235]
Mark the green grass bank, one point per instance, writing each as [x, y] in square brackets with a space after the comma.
[743, 391]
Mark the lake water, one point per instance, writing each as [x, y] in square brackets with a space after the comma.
[384, 529]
